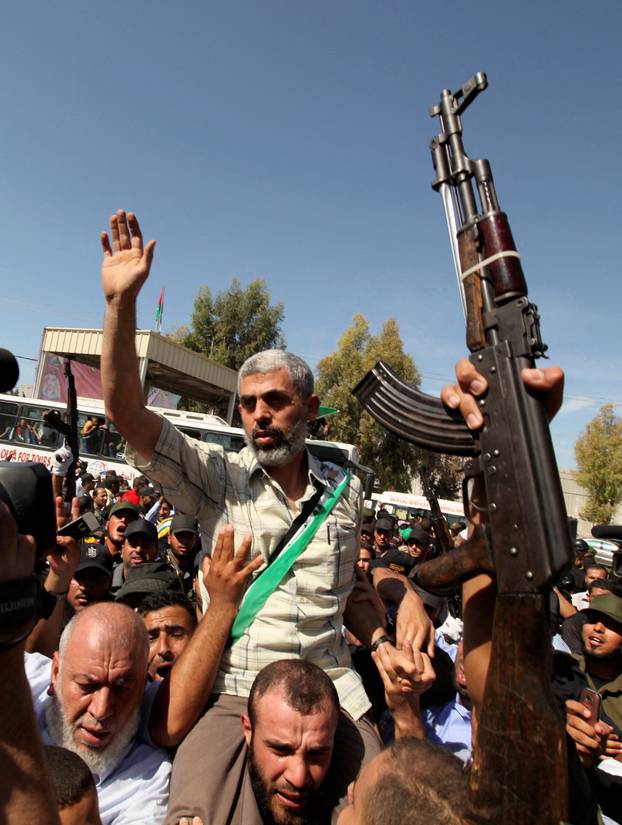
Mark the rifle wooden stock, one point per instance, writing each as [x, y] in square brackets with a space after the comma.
[519, 771]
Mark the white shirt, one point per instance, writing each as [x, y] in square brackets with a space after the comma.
[135, 792]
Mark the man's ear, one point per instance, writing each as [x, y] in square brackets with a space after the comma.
[313, 405]
[54, 674]
[248, 730]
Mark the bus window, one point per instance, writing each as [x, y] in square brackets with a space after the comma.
[29, 427]
[230, 443]
[8, 420]
[189, 432]
[113, 444]
[92, 430]
[41, 434]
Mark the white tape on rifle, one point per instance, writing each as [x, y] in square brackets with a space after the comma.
[510, 253]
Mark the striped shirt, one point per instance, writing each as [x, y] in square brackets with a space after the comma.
[303, 617]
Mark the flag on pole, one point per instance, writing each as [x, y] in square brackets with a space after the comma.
[160, 311]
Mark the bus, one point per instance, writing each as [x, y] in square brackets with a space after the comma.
[405, 506]
[24, 436]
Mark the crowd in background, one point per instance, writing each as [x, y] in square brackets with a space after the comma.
[146, 555]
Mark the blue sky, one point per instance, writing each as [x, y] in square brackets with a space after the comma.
[289, 141]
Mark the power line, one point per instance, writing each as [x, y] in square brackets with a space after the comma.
[567, 397]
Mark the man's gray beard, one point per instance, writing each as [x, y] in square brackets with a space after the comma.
[99, 761]
[293, 442]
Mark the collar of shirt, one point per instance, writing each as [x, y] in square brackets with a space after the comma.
[612, 687]
[315, 470]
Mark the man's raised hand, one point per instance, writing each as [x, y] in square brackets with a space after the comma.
[126, 262]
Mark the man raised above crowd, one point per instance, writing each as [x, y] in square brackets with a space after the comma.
[301, 608]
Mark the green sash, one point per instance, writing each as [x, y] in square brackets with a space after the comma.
[267, 582]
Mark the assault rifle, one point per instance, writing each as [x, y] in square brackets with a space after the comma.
[525, 543]
[444, 541]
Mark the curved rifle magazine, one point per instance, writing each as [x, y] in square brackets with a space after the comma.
[412, 415]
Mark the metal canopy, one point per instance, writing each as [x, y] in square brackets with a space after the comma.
[163, 364]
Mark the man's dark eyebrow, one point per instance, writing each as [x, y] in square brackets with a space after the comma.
[277, 744]
[319, 749]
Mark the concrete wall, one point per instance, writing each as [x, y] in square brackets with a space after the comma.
[575, 497]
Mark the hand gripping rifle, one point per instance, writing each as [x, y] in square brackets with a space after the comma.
[525, 543]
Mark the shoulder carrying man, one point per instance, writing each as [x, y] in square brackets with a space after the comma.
[302, 606]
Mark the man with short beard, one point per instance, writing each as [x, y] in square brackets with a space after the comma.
[89, 700]
[260, 491]
[293, 711]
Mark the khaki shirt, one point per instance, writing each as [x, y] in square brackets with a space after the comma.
[611, 693]
[303, 617]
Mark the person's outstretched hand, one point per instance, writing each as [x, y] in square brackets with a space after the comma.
[126, 263]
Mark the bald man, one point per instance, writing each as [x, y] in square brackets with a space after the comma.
[91, 699]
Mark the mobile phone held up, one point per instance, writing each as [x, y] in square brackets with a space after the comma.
[592, 701]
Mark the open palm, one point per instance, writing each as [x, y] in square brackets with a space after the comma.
[126, 262]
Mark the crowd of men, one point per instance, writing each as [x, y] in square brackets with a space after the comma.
[239, 643]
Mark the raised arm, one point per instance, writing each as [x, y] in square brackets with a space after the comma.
[125, 268]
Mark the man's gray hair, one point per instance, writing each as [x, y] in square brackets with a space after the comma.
[271, 360]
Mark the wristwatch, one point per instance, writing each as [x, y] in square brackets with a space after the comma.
[380, 641]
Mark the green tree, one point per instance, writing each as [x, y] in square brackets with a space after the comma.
[444, 473]
[393, 460]
[598, 451]
[235, 324]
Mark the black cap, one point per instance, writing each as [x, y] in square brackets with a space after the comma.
[141, 527]
[397, 560]
[147, 491]
[126, 506]
[95, 556]
[150, 577]
[184, 524]
[87, 477]
[418, 536]
[385, 522]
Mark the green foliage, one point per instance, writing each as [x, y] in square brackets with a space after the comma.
[394, 461]
[235, 324]
[444, 473]
[598, 451]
